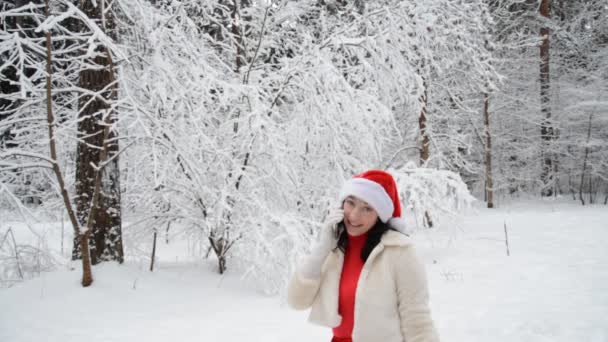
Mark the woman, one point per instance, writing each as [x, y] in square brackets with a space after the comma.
[362, 278]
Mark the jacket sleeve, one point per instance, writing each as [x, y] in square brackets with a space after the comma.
[413, 298]
[302, 291]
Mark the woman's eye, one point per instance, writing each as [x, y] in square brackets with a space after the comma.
[367, 209]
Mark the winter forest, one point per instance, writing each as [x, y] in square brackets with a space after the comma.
[225, 128]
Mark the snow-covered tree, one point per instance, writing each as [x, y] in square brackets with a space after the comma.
[46, 68]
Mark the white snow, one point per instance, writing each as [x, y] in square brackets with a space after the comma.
[553, 287]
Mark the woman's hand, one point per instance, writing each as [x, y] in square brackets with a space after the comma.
[329, 231]
[327, 240]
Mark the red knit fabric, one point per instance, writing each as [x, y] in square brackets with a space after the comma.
[348, 287]
[340, 339]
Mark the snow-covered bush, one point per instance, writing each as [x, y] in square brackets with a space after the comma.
[436, 197]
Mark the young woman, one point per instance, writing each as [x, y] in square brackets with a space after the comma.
[363, 278]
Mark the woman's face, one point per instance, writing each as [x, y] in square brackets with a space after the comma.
[359, 217]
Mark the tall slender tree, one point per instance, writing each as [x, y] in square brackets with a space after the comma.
[546, 127]
[489, 183]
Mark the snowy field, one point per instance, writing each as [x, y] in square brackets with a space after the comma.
[553, 287]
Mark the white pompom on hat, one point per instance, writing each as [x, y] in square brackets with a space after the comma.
[379, 190]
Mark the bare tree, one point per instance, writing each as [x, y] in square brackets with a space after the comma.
[47, 68]
[489, 188]
[422, 125]
[586, 155]
[546, 128]
[80, 237]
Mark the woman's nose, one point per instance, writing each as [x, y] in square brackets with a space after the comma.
[353, 215]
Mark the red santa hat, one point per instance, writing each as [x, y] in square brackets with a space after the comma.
[379, 190]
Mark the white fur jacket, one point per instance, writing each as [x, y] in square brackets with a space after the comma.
[391, 300]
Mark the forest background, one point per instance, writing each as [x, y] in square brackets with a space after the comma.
[234, 123]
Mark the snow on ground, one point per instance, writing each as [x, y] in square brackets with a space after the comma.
[553, 287]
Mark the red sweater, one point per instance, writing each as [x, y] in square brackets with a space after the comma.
[353, 264]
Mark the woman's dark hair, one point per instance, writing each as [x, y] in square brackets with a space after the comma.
[373, 238]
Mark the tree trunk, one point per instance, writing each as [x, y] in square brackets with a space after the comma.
[87, 274]
[488, 153]
[106, 235]
[425, 141]
[586, 155]
[238, 36]
[153, 252]
[220, 248]
[590, 190]
[167, 232]
[424, 148]
[546, 128]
